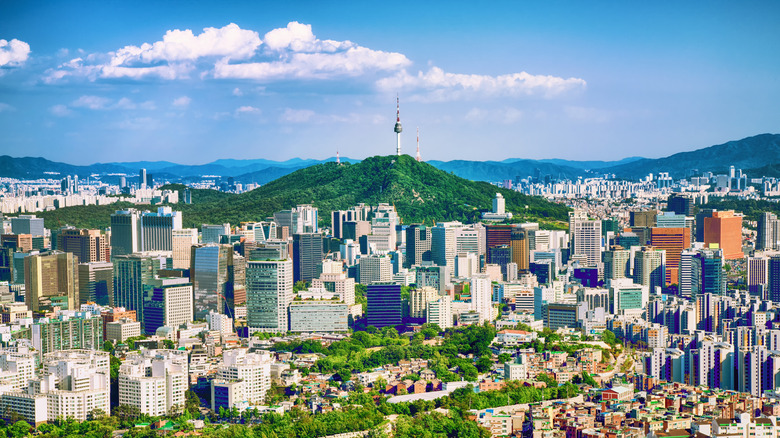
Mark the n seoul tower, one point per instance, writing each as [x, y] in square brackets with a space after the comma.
[398, 129]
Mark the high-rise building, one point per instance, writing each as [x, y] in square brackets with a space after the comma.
[617, 263]
[713, 274]
[154, 381]
[96, 283]
[670, 220]
[126, 232]
[482, 297]
[214, 233]
[242, 377]
[217, 274]
[337, 282]
[497, 235]
[643, 218]
[680, 204]
[437, 277]
[674, 241]
[88, 245]
[182, 241]
[132, 280]
[768, 232]
[142, 179]
[521, 253]
[439, 312]
[725, 229]
[419, 299]
[443, 243]
[75, 330]
[299, 220]
[384, 305]
[169, 305]
[27, 224]
[585, 237]
[689, 274]
[307, 256]
[134, 231]
[471, 238]
[757, 274]
[418, 245]
[51, 280]
[625, 295]
[374, 269]
[650, 267]
[269, 292]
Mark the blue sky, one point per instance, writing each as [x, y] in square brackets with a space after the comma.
[192, 82]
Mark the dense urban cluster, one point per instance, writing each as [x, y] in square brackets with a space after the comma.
[651, 315]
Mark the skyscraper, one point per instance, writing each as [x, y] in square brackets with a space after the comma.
[135, 231]
[307, 256]
[213, 272]
[482, 297]
[674, 241]
[384, 305]
[585, 237]
[418, 245]
[650, 267]
[182, 241]
[87, 245]
[133, 274]
[521, 253]
[269, 292]
[142, 179]
[725, 229]
[51, 279]
[96, 283]
[27, 224]
[497, 235]
[170, 304]
[768, 231]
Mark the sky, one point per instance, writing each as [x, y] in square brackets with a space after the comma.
[193, 82]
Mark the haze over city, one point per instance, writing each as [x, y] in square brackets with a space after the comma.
[99, 82]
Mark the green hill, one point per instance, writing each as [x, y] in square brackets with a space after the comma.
[419, 191]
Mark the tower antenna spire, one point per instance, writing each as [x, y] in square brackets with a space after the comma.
[338, 158]
[398, 129]
[419, 158]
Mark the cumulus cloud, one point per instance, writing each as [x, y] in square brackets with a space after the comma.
[182, 102]
[60, 110]
[247, 109]
[438, 86]
[173, 57]
[297, 116]
[91, 102]
[299, 54]
[13, 53]
[308, 116]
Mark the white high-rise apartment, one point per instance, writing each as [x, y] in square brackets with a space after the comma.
[470, 239]
[439, 312]
[17, 368]
[482, 297]
[466, 264]
[419, 299]
[182, 241]
[154, 381]
[269, 292]
[254, 369]
[76, 383]
[336, 282]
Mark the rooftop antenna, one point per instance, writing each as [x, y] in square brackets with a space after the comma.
[419, 158]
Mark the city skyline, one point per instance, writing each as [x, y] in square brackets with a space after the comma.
[103, 83]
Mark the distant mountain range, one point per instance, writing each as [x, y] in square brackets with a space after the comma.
[760, 151]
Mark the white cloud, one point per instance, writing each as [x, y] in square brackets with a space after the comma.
[182, 102]
[174, 57]
[439, 86]
[6, 107]
[91, 102]
[297, 116]
[60, 110]
[297, 37]
[13, 53]
[248, 109]
[237, 92]
[104, 103]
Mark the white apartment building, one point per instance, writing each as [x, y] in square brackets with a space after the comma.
[253, 369]
[482, 297]
[120, 331]
[154, 381]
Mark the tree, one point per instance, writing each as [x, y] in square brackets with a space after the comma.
[609, 338]
[169, 344]
[484, 364]
[20, 429]
[108, 346]
[191, 402]
[504, 358]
